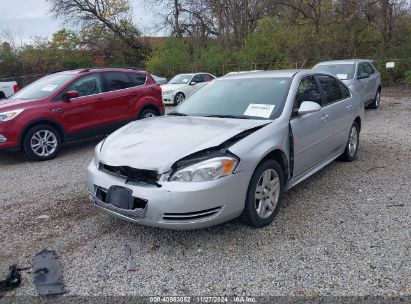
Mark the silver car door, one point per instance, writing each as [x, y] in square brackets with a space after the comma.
[362, 84]
[372, 85]
[308, 132]
[337, 109]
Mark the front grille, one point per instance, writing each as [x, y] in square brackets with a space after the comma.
[132, 175]
[191, 216]
[102, 195]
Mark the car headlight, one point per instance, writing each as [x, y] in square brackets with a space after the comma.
[96, 157]
[167, 92]
[6, 116]
[207, 170]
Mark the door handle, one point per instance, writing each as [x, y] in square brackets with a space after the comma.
[324, 117]
[349, 107]
[56, 110]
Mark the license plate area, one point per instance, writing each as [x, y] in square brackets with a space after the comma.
[120, 197]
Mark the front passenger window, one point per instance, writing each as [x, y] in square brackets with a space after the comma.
[198, 78]
[307, 91]
[88, 85]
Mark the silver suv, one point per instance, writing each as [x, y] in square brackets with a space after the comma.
[358, 74]
[230, 149]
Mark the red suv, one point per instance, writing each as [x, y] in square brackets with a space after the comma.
[74, 104]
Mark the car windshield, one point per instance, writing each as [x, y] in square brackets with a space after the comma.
[341, 71]
[181, 79]
[257, 98]
[43, 87]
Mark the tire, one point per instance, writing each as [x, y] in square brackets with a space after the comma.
[351, 149]
[257, 212]
[148, 113]
[376, 103]
[179, 98]
[47, 140]
[2, 95]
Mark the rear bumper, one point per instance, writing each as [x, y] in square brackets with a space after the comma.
[176, 205]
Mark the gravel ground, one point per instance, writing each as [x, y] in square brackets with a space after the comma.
[344, 231]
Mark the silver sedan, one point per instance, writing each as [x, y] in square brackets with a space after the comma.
[229, 150]
[359, 75]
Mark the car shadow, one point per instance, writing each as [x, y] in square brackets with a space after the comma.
[70, 148]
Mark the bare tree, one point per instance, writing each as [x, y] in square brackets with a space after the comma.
[115, 15]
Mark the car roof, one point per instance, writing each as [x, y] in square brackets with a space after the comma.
[265, 74]
[86, 70]
[344, 61]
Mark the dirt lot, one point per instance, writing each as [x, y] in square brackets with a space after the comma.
[344, 231]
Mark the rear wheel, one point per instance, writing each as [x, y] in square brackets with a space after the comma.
[353, 142]
[179, 98]
[377, 100]
[264, 194]
[148, 113]
[42, 143]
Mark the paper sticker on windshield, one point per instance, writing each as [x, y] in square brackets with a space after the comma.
[259, 110]
[185, 80]
[342, 76]
[49, 88]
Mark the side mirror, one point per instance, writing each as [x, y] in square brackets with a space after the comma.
[363, 75]
[69, 95]
[193, 83]
[308, 107]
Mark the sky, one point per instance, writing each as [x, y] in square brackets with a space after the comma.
[30, 18]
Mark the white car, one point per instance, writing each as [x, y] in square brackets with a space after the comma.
[8, 88]
[183, 85]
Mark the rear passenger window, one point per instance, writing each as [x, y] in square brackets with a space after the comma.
[331, 89]
[117, 81]
[137, 79]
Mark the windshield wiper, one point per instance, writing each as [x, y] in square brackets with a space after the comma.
[176, 114]
[230, 116]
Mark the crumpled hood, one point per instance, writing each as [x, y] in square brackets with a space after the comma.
[171, 87]
[157, 143]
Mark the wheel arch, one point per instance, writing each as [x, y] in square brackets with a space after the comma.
[149, 107]
[42, 121]
[358, 121]
[279, 156]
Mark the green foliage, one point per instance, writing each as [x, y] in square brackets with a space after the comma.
[169, 58]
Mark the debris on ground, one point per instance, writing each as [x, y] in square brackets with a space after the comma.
[12, 280]
[48, 276]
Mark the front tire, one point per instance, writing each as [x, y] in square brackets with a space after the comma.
[351, 149]
[264, 194]
[377, 100]
[42, 143]
[179, 98]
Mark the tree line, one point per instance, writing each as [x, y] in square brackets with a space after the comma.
[219, 36]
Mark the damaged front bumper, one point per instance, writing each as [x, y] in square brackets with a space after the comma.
[174, 205]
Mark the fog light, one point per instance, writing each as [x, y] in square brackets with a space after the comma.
[3, 138]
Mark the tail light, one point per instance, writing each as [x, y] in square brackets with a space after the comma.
[16, 88]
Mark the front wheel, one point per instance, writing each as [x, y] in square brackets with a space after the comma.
[351, 149]
[376, 102]
[179, 98]
[264, 194]
[42, 143]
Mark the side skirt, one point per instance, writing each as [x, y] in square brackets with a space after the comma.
[302, 176]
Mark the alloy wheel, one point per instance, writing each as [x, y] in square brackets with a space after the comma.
[43, 143]
[267, 193]
[353, 141]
